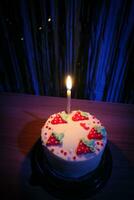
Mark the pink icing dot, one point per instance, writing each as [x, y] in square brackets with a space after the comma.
[74, 158]
[65, 153]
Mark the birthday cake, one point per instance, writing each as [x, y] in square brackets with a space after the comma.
[73, 143]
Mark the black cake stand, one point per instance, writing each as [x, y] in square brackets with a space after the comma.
[69, 188]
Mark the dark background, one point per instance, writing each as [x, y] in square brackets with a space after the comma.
[42, 41]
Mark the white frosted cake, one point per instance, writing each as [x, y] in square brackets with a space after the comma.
[73, 143]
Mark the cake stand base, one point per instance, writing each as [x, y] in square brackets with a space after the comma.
[69, 188]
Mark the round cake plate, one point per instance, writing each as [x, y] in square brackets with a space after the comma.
[69, 188]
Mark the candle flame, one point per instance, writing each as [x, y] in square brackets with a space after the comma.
[69, 82]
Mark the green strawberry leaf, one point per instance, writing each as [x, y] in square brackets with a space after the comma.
[64, 116]
[101, 129]
[54, 134]
[59, 137]
[89, 143]
[84, 114]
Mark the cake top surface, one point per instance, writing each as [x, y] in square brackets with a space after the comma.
[75, 136]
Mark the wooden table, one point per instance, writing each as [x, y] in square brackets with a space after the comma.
[21, 119]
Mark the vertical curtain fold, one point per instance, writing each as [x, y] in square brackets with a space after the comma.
[42, 41]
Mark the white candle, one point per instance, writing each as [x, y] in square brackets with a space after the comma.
[69, 87]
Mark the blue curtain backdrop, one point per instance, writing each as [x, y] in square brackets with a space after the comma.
[42, 41]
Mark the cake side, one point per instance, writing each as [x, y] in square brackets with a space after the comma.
[71, 169]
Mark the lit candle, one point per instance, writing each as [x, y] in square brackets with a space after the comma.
[69, 87]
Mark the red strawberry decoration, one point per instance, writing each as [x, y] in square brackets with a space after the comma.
[58, 120]
[84, 126]
[85, 147]
[80, 116]
[55, 139]
[52, 140]
[82, 148]
[94, 134]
